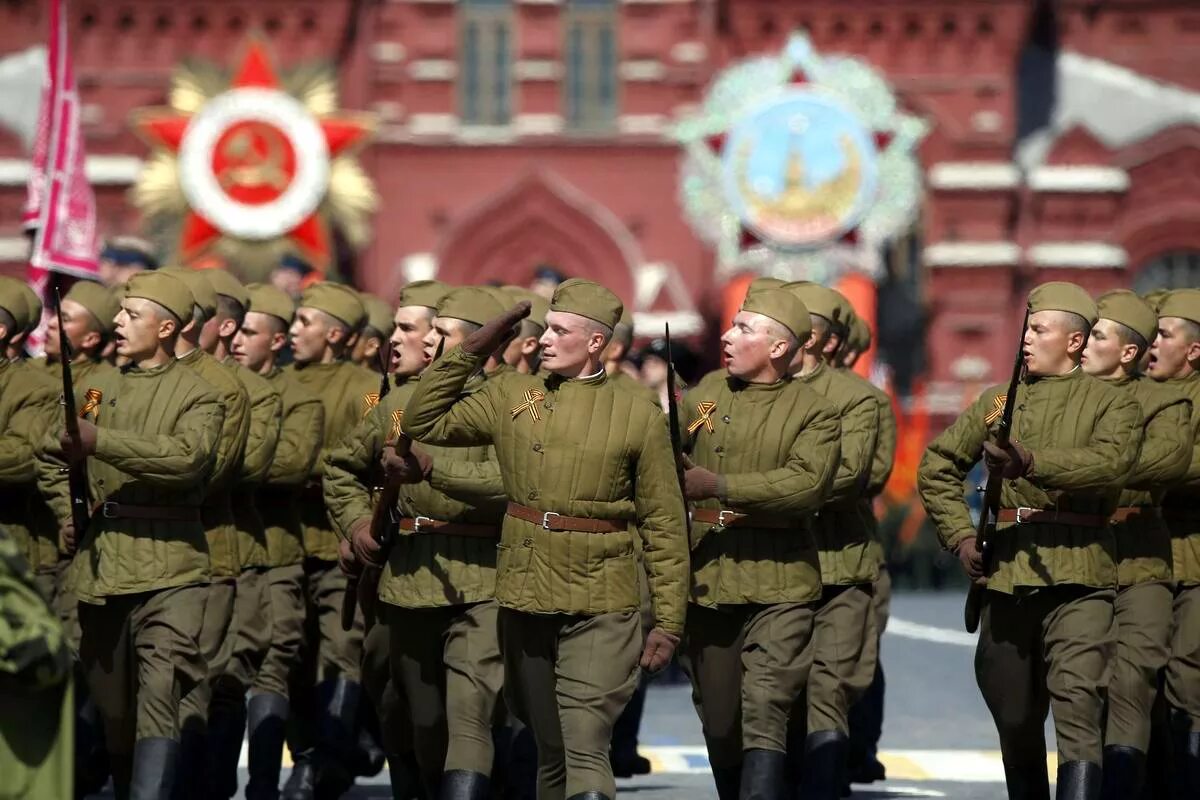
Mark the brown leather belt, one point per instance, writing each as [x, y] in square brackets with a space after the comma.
[728, 519]
[557, 522]
[1126, 513]
[114, 510]
[428, 525]
[1049, 516]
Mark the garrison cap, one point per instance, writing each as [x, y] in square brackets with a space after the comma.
[35, 305]
[266, 299]
[202, 292]
[820, 300]
[225, 283]
[471, 304]
[784, 307]
[1127, 308]
[99, 301]
[379, 313]
[1155, 297]
[165, 288]
[762, 283]
[13, 300]
[538, 304]
[860, 335]
[587, 299]
[1063, 296]
[1183, 303]
[127, 251]
[423, 293]
[338, 301]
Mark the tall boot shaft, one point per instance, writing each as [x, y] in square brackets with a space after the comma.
[154, 761]
[462, 784]
[1078, 780]
[1124, 771]
[762, 775]
[266, 722]
[822, 775]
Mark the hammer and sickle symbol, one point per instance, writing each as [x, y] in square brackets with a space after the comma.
[249, 168]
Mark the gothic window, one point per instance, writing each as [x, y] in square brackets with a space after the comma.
[485, 81]
[590, 88]
[1175, 270]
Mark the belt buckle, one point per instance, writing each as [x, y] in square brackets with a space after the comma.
[546, 519]
[721, 523]
[109, 509]
[417, 523]
[1022, 511]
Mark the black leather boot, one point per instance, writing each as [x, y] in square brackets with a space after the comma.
[462, 784]
[1124, 770]
[402, 770]
[226, 729]
[301, 784]
[1078, 780]
[824, 765]
[1185, 760]
[729, 782]
[266, 718]
[337, 736]
[154, 761]
[192, 771]
[762, 775]
[624, 757]
[91, 757]
[589, 796]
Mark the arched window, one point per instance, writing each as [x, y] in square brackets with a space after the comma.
[485, 81]
[1179, 269]
[590, 88]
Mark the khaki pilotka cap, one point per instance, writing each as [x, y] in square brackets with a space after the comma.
[201, 290]
[338, 301]
[1133, 312]
[820, 300]
[164, 288]
[267, 299]
[423, 293]
[782, 306]
[12, 300]
[225, 283]
[35, 305]
[860, 335]
[1155, 297]
[99, 301]
[538, 305]
[1183, 303]
[379, 314]
[587, 299]
[1063, 296]
[473, 304]
[763, 283]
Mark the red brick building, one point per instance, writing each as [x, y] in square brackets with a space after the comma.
[519, 132]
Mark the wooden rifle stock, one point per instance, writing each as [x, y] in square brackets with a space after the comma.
[77, 481]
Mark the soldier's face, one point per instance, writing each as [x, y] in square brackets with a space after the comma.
[413, 324]
[308, 335]
[445, 332]
[1050, 344]
[139, 328]
[79, 325]
[747, 346]
[260, 336]
[210, 333]
[1106, 353]
[1176, 349]
[569, 342]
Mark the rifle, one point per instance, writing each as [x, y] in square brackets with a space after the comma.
[673, 421]
[995, 482]
[77, 480]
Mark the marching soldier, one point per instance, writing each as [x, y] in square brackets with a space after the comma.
[88, 311]
[614, 358]
[263, 334]
[438, 580]
[149, 434]
[765, 450]
[583, 464]
[217, 634]
[1175, 361]
[375, 331]
[844, 638]
[1046, 631]
[327, 319]
[1143, 603]
[522, 353]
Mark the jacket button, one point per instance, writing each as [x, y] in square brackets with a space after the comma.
[537, 447]
[527, 542]
[533, 494]
[725, 419]
[549, 406]
[718, 449]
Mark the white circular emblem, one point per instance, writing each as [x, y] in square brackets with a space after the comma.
[254, 163]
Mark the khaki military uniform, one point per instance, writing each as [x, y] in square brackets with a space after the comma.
[756, 580]
[1047, 638]
[568, 449]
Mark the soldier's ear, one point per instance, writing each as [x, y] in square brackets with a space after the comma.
[1076, 341]
[530, 345]
[227, 328]
[168, 328]
[278, 341]
[90, 339]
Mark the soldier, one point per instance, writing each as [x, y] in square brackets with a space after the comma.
[844, 640]
[88, 311]
[523, 352]
[615, 363]
[765, 451]
[217, 634]
[327, 319]
[122, 257]
[263, 334]
[376, 331]
[149, 437]
[1142, 609]
[1175, 361]
[592, 462]
[438, 580]
[1046, 629]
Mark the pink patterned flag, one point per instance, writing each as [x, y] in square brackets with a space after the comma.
[60, 206]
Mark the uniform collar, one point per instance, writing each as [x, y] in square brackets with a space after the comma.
[739, 385]
[810, 377]
[1076, 374]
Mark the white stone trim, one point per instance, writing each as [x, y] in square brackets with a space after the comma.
[974, 175]
[101, 170]
[14, 248]
[388, 110]
[641, 124]
[433, 124]
[689, 52]
[486, 134]
[1082, 255]
[647, 70]
[1078, 179]
[538, 124]
[537, 69]
[972, 254]
[433, 69]
[388, 52]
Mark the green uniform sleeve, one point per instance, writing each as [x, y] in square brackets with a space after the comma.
[802, 484]
[476, 483]
[438, 414]
[300, 435]
[52, 480]
[1107, 459]
[347, 497]
[33, 652]
[36, 413]
[263, 437]
[662, 527]
[885, 447]
[182, 458]
[944, 467]
[858, 433]
[1165, 455]
[231, 438]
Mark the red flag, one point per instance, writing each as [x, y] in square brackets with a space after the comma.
[60, 205]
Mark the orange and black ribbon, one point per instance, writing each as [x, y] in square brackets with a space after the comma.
[704, 409]
[997, 409]
[532, 398]
[91, 402]
[397, 418]
[370, 400]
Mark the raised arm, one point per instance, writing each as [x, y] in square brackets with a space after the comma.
[477, 483]
[181, 458]
[266, 408]
[300, 435]
[1165, 454]
[346, 467]
[438, 413]
[1106, 460]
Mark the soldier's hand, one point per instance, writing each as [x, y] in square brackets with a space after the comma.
[700, 483]
[971, 558]
[76, 452]
[363, 545]
[660, 647]
[411, 467]
[346, 560]
[1011, 462]
[495, 331]
[66, 538]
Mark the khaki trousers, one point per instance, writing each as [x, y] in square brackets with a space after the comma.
[568, 679]
[1143, 620]
[285, 590]
[1183, 669]
[387, 696]
[251, 635]
[447, 663]
[337, 652]
[747, 664]
[216, 646]
[845, 650]
[1046, 650]
[140, 655]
